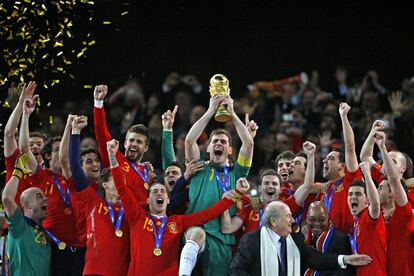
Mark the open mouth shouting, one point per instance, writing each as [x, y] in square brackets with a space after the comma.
[44, 207]
[218, 152]
[160, 201]
[354, 207]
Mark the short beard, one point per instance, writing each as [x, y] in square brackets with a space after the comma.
[138, 158]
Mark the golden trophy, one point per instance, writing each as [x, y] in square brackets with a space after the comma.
[219, 84]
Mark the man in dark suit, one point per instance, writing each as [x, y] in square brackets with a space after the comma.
[323, 236]
[273, 250]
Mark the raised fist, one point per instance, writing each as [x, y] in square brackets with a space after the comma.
[100, 92]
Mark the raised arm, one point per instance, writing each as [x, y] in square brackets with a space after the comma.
[79, 177]
[10, 143]
[130, 205]
[167, 148]
[351, 160]
[191, 148]
[99, 121]
[303, 191]
[368, 146]
[28, 108]
[374, 207]
[393, 178]
[10, 190]
[246, 138]
[64, 147]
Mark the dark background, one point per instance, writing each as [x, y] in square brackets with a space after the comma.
[249, 41]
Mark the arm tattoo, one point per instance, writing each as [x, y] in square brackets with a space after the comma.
[112, 160]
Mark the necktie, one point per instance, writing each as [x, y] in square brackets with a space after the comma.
[282, 241]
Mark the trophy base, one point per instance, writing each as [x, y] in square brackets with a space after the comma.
[222, 117]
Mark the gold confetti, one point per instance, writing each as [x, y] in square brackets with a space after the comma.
[87, 86]
[106, 22]
[41, 29]
[124, 13]
[50, 120]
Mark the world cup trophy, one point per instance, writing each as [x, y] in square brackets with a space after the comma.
[219, 84]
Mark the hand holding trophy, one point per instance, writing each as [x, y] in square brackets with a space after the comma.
[219, 84]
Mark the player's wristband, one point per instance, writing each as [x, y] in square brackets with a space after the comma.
[236, 196]
[98, 103]
[18, 173]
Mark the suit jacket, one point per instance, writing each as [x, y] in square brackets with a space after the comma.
[339, 244]
[247, 261]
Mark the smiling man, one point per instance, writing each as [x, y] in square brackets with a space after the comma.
[136, 144]
[275, 250]
[323, 236]
[282, 163]
[269, 190]
[26, 236]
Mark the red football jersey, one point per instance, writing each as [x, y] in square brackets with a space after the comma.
[372, 241]
[133, 179]
[339, 211]
[400, 256]
[59, 223]
[106, 254]
[251, 217]
[80, 208]
[377, 173]
[143, 260]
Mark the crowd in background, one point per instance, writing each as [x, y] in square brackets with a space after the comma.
[291, 114]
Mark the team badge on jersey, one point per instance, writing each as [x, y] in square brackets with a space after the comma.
[173, 227]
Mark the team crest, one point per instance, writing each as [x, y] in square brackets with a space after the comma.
[339, 188]
[173, 227]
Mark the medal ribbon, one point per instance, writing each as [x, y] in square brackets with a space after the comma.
[298, 216]
[327, 198]
[158, 236]
[53, 237]
[225, 187]
[290, 192]
[260, 217]
[111, 212]
[65, 198]
[144, 176]
[353, 236]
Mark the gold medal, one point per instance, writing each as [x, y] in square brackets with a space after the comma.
[296, 228]
[118, 233]
[67, 211]
[157, 252]
[62, 245]
[146, 186]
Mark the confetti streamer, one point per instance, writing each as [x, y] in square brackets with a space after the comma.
[40, 38]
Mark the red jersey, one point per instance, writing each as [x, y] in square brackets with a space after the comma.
[143, 261]
[400, 256]
[286, 191]
[251, 218]
[371, 240]
[338, 210]
[106, 254]
[80, 209]
[59, 223]
[133, 179]
[377, 173]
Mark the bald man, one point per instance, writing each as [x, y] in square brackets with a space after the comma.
[325, 238]
[28, 248]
